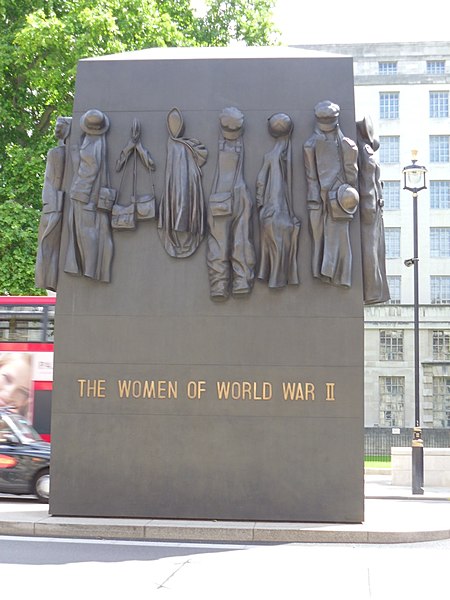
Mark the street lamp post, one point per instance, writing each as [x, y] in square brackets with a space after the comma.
[414, 181]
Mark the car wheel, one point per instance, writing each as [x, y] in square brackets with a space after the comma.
[42, 485]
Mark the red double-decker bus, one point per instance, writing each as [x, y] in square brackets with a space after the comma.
[26, 357]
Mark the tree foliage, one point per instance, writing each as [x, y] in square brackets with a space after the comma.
[18, 226]
[41, 42]
[239, 20]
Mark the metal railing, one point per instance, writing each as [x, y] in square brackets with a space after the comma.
[378, 441]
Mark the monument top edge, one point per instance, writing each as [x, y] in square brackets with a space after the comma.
[221, 53]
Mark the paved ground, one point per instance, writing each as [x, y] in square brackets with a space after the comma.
[392, 515]
[58, 568]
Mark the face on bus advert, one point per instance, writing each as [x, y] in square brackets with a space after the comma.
[15, 381]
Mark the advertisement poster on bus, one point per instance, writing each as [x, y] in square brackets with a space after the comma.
[16, 382]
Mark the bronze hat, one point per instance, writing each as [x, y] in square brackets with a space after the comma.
[94, 122]
[231, 122]
[280, 124]
[348, 198]
[327, 112]
[365, 128]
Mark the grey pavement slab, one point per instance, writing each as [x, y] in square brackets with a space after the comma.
[387, 520]
[378, 485]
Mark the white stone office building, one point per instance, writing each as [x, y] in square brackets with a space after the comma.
[405, 89]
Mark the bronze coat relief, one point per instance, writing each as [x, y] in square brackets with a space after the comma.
[371, 210]
[332, 198]
[49, 236]
[90, 249]
[279, 227]
[182, 216]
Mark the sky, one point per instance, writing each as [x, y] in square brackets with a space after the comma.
[358, 21]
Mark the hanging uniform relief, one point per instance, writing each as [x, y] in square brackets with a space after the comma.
[49, 237]
[230, 251]
[371, 210]
[182, 217]
[90, 247]
[279, 227]
[136, 207]
[332, 178]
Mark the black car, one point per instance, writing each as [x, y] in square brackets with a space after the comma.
[24, 458]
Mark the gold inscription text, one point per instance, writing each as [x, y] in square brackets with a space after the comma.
[195, 389]
[149, 388]
[330, 392]
[244, 390]
[298, 391]
[92, 388]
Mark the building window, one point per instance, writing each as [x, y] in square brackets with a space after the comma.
[441, 401]
[435, 67]
[392, 401]
[441, 345]
[387, 68]
[438, 105]
[392, 238]
[394, 284]
[440, 242]
[440, 289]
[390, 148]
[391, 195]
[391, 344]
[389, 105]
[440, 194]
[439, 148]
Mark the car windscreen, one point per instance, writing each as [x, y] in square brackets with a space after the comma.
[21, 427]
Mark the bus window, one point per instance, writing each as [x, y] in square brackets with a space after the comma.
[26, 323]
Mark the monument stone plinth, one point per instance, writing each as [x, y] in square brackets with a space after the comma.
[167, 403]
